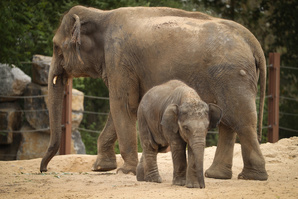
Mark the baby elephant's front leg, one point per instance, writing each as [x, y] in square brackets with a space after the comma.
[179, 164]
[149, 164]
[191, 175]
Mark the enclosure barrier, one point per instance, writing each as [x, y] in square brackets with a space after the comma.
[273, 91]
[272, 96]
[65, 146]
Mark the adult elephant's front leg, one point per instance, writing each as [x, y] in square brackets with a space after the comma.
[125, 125]
[123, 105]
[106, 159]
[221, 167]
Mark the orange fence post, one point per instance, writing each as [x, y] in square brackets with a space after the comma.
[273, 101]
[65, 147]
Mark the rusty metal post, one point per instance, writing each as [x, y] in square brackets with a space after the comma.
[65, 147]
[273, 101]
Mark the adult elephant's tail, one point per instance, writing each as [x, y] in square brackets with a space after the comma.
[261, 65]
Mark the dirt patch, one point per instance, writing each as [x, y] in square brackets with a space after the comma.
[70, 176]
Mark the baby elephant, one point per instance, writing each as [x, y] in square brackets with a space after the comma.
[173, 114]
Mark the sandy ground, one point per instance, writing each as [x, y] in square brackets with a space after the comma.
[70, 176]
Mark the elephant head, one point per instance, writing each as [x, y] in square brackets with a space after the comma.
[74, 54]
[193, 120]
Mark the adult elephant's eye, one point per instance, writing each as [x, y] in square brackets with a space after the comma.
[62, 62]
[185, 127]
[60, 53]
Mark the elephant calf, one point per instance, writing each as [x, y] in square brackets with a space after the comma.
[173, 114]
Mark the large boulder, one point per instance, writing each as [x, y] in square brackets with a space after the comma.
[36, 108]
[34, 144]
[77, 145]
[13, 82]
[9, 151]
[77, 108]
[36, 112]
[40, 69]
[10, 120]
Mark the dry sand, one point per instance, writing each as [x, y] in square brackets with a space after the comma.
[70, 176]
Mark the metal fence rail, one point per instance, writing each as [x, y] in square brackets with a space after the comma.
[272, 97]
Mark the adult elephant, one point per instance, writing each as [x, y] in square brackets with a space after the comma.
[134, 49]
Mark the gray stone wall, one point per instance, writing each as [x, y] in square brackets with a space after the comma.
[25, 133]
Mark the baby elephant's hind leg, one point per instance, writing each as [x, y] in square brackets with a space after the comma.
[140, 170]
[151, 173]
[147, 168]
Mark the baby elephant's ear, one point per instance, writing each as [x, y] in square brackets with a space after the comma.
[169, 119]
[215, 115]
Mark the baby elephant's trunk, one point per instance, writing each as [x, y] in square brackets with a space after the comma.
[198, 150]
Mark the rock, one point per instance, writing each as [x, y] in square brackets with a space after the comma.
[40, 119]
[36, 113]
[40, 69]
[77, 100]
[10, 120]
[34, 144]
[13, 82]
[9, 151]
[77, 107]
[78, 147]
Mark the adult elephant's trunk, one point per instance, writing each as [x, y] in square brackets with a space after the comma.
[56, 82]
[198, 151]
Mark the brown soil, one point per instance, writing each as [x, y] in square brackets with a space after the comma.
[70, 176]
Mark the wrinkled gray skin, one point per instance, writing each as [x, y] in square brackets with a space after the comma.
[173, 114]
[134, 49]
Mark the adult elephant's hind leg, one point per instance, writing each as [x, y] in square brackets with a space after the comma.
[254, 162]
[106, 159]
[221, 167]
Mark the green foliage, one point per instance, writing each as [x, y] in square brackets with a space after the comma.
[92, 87]
[283, 19]
[288, 107]
[211, 139]
[282, 22]
[27, 28]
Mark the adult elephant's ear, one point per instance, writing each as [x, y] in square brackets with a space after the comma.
[169, 120]
[215, 115]
[76, 36]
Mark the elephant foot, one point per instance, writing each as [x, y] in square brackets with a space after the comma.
[219, 172]
[127, 169]
[140, 172]
[153, 178]
[140, 177]
[179, 181]
[192, 185]
[104, 164]
[253, 175]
